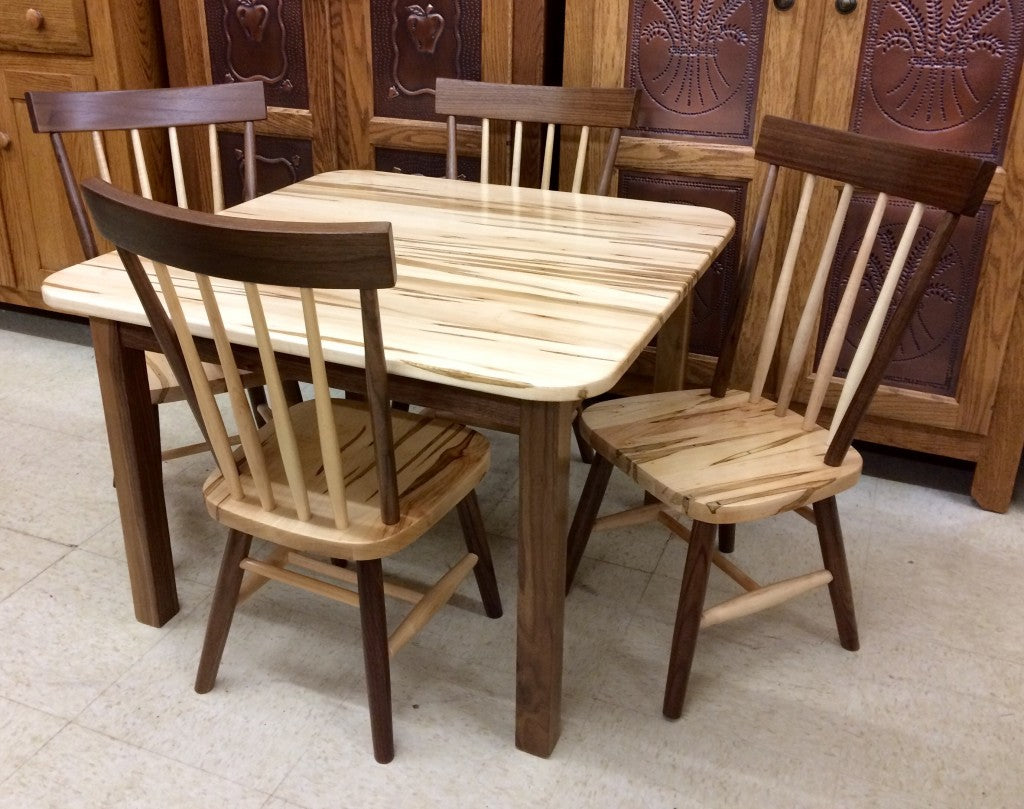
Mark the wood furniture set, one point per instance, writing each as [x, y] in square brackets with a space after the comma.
[721, 455]
[511, 306]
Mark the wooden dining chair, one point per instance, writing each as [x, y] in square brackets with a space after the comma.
[599, 108]
[133, 111]
[611, 108]
[720, 456]
[327, 478]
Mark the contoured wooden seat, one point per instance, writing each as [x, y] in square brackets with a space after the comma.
[340, 480]
[722, 456]
[60, 114]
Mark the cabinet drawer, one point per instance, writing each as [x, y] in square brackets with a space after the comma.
[44, 26]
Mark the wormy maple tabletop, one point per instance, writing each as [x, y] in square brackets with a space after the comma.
[539, 295]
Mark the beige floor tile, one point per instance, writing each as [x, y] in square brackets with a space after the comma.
[86, 770]
[23, 731]
[70, 633]
[23, 558]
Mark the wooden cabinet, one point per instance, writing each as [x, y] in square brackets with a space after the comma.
[940, 73]
[57, 45]
[350, 82]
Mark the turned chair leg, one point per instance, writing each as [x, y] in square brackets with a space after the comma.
[225, 597]
[830, 537]
[586, 451]
[370, 577]
[696, 573]
[726, 538]
[476, 542]
[586, 514]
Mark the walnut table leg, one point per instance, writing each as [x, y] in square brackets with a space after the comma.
[543, 522]
[135, 453]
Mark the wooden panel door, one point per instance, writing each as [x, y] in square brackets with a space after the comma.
[944, 74]
[707, 71]
[391, 52]
[288, 47]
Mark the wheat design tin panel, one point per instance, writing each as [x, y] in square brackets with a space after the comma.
[415, 43]
[930, 355]
[697, 65]
[260, 40]
[940, 73]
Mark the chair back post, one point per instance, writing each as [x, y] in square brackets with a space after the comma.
[74, 196]
[747, 274]
[379, 403]
[897, 324]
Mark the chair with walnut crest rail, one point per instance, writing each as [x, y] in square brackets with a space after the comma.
[611, 108]
[134, 111]
[722, 456]
[598, 108]
[327, 478]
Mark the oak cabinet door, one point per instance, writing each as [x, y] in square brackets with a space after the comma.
[39, 236]
[943, 74]
[285, 45]
[707, 71]
[387, 76]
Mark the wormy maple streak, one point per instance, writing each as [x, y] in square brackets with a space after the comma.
[561, 282]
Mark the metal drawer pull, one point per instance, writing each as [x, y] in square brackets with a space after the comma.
[846, 6]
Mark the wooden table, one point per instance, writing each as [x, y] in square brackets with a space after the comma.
[512, 305]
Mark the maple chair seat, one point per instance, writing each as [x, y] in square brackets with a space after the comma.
[718, 460]
[438, 462]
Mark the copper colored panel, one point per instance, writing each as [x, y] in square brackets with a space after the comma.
[260, 40]
[279, 162]
[931, 352]
[714, 293]
[413, 44]
[697, 64]
[940, 73]
[429, 165]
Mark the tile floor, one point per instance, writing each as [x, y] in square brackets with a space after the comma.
[97, 710]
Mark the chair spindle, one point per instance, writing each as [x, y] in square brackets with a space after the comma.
[549, 150]
[837, 332]
[331, 458]
[773, 327]
[581, 160]
[517, 154]
[873, 329]
[809, 317]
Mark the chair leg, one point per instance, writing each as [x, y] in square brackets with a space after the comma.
[257, 397]
[476, 542]
[370, 579]
[586, 513]
[586, 451]
[726, 538]
[225, 596]
[830, 536]
[696, 573]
